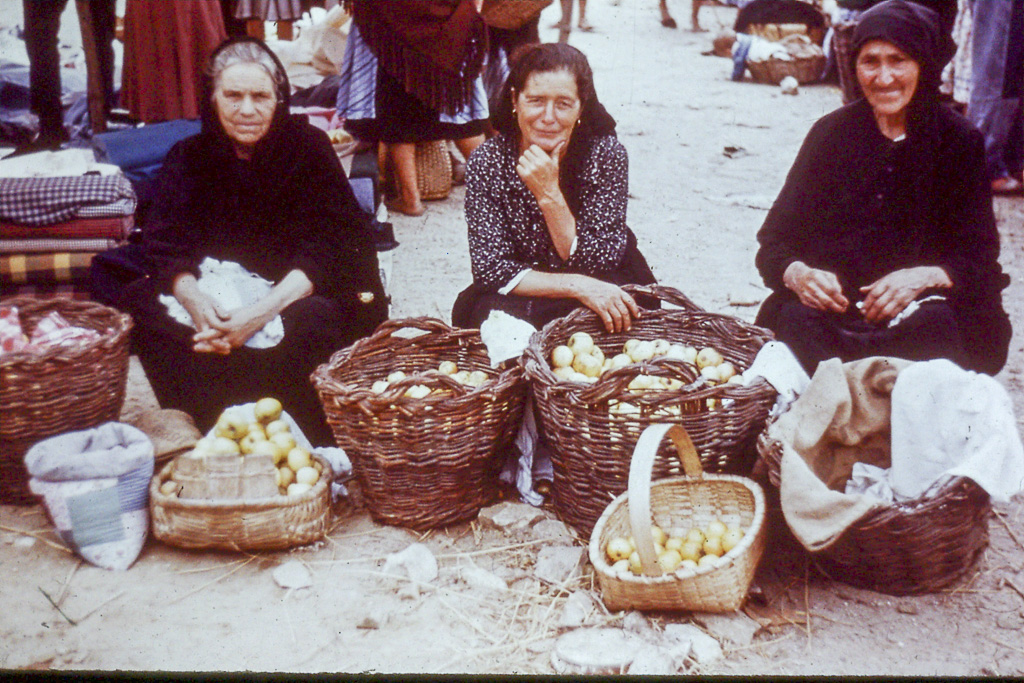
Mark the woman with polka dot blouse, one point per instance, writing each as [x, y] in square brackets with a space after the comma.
[546, 201]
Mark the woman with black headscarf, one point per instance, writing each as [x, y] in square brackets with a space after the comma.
[546, 201]
[883, 240]
[263, 189]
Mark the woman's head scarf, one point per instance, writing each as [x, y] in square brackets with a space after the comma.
[914, 29]
[207, 110]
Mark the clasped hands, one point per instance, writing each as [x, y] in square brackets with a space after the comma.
[884, 299]
[218, 330]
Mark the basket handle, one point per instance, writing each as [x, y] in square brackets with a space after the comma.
[667, 294]
[640, 468]
[389, 327]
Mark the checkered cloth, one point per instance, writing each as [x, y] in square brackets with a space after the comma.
[79, 292]
[110, 227]
[44, 270]
[44, 201]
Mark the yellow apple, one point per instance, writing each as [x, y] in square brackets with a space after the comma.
[562, 356]
[581, 342]
[222, 445]
[267, 410]
[708, 356]
[268, 448]
[283, 440]
[298, 489]
[231, 425]
[306, 475]
[618, 549]
[298, 458]
[276, 427]
[447, 367]
[285, 476]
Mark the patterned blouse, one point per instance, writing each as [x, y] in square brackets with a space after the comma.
[507, 232]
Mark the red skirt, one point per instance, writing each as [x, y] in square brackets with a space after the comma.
[166, 48]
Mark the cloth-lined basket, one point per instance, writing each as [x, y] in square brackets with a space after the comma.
[689, 501]
[907, 548]
[425, 462]
[62, 389]
[591, 446]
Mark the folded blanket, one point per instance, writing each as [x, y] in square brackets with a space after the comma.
[44, 269]
[114, 227]
[44, 201]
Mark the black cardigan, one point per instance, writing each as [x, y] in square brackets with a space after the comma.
[289, 207]
[861, 206]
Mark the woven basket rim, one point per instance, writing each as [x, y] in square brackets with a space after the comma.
[394, 395]
[240, 504]
[120, 325]
[601, 565]
[537, 369]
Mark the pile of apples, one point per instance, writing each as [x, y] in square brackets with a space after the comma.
[269, 435]
[682, 549]
[581, 360]
[468, 378]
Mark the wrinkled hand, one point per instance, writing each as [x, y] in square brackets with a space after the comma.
[241, 324]
[539, 170]
[817, 289]
[615, 307]
[886, 297]
[207, 315]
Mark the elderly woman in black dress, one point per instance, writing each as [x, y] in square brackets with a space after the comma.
[264, 189]
[883, 239]
[546, 201]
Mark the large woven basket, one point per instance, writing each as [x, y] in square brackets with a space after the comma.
[511, 14]
[426, 462]
[60, 390]
[591, 447]
[433, 169]
[906, 548]
[271, 523]
[773, 70]
[679, 502]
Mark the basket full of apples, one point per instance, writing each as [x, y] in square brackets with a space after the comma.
[595, 392]
[424, 418]
[690, 542]
[252, 483]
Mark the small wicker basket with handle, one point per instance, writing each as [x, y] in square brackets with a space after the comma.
[689, 501]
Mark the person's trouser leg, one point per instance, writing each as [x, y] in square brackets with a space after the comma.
[103, 24]
[42, 22]
[989, 110]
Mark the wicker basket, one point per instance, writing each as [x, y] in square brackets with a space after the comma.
[433, 169]
[511, 14]
[773, 70]
[428, 462]
[906, 548]
[689, 501]
[60, 390]
[271, 523]
[591, 448]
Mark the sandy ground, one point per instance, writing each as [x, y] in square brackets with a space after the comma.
[695, 210]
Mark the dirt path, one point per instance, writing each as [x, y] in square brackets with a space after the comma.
[695, 210]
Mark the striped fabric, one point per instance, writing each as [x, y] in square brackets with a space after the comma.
[44, 270]
[112, 227]
[56, 245]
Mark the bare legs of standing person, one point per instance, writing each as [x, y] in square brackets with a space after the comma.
[403, 159]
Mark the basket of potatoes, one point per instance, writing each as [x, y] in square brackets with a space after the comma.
[683, 543]
[424, 418]
[253, 483]
[595, 392]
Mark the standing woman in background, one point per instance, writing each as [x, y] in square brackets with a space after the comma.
[166, 48]
[412, 74]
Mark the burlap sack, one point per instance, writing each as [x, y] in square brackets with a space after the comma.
[171, 431]
[843, 417]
